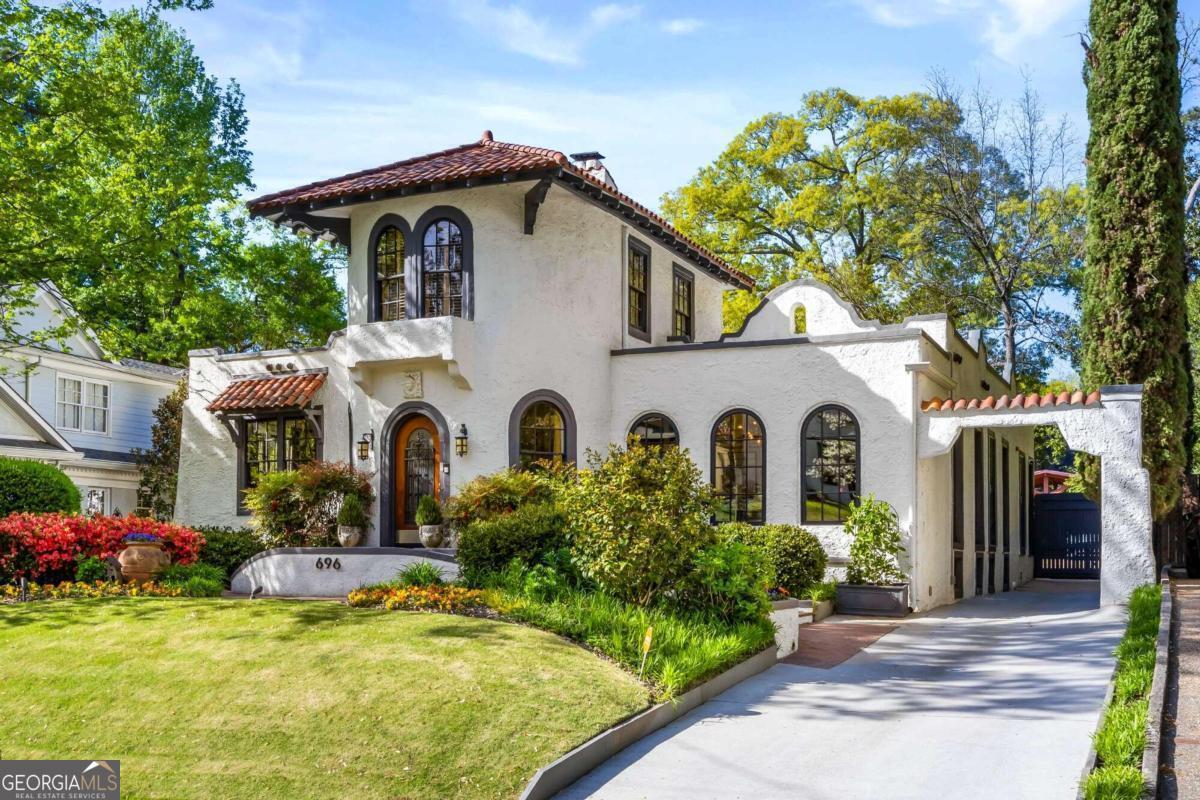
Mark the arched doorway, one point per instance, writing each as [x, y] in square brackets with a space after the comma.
[415, 464]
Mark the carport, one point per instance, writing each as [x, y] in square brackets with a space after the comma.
[1107, 424]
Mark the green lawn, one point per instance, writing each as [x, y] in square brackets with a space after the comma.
[279, 699]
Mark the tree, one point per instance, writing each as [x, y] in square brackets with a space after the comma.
[1133, 300]
[996, 185]
[160, 464]
[814, 194]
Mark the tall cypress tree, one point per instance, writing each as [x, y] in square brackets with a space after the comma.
[1134, 319]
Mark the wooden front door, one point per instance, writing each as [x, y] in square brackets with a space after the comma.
[418, 468]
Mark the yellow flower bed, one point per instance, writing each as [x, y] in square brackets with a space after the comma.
[77, 589]
[449, 599]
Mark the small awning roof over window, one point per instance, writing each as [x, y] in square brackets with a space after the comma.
[269, 393]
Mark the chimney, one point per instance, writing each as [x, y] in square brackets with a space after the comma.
[592, 163]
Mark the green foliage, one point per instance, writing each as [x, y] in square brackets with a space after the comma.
[877, 545]
[35, 487]
[488, 546]
[1134, 314]
[1114, 783]
[822, 592]
[794, 556]
[420, 573]
[726, 580]
[498, 493]
[300, 507]
[89, 569]
[352, 512]
[637, 518]
[228, 548]
[195, 580]
[428, 511]
[685, 648]
[159, 465]
[1122, 735]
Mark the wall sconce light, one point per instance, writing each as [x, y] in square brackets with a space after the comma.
[460, 440]
[365, 445]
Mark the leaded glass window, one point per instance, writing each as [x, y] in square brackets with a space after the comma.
[655, 430]
[543, 435]
[831, 464]
[739, 468]
[442, 270]
[389, 273]
[639, 290]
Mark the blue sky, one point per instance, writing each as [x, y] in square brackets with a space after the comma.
[658, 87]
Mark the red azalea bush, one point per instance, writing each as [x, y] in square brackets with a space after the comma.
[45, 546]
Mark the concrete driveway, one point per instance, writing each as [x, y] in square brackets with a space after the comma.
[995, 697]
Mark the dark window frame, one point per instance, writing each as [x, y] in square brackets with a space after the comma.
[684, 277]
[416, 276]
[1023, 502]
[523, 405]
[644, 251]
[804, 459]
[243, 468]
[712, 460]
[977, 496]
[670, 423]
[374, 297]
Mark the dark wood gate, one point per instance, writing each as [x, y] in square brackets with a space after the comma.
[1066, 536]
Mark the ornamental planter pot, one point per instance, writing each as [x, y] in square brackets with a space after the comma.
[431, 535]
[349, 535]
[141, 561]
[880, 601]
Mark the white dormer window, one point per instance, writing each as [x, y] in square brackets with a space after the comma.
[83, 405]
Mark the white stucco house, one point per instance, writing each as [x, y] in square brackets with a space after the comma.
[67, 403]
[509, 303]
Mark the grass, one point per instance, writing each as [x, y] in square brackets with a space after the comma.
[1122, 735]
[276, 699]
[685, 649]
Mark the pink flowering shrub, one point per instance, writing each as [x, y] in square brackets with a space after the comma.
[40, 546]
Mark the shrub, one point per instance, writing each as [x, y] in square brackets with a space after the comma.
[89, 569]
[726, 580]
[46, 546]
[1114, 783]
[794, 555]
[428, 511]
[300, 507]
[503, 492]
[229, 548]
[420, 573]
[876, 549]
[194, 580]
[487, 546]
[821, 592]
[636, 518]
[35, 488]
[352, 512]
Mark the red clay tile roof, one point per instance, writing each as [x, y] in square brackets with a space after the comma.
[273, 392]
[483, 159]
[1017, 401]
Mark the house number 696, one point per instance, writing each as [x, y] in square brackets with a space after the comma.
[329, 563]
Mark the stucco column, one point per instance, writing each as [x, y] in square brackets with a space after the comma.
[1126, 551]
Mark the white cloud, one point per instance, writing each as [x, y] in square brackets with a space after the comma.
[1005, 25]
[517, 30]
[682, 26]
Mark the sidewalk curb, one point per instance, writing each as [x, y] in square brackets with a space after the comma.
[1158, 691]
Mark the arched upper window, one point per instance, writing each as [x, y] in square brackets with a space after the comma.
[655, 430]
[831, 464]
[442, 269]
[541, 428]
[389, 274]
[739, 471]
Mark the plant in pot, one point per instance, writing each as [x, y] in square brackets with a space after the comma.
[143, 557]
[875, 584]
[352, 521]
[429, 520]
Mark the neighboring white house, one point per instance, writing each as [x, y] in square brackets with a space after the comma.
[508, 303]
[70, 405]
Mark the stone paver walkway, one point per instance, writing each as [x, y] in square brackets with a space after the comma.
[995, 697]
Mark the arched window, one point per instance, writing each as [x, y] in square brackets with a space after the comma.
[389, 274]
[442, 269]
[655, 430]
[831, 464]
[739, 472]
[541, 428]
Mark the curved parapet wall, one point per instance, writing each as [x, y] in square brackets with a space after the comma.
[329, 571]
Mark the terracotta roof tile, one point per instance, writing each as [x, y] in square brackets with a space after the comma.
[1004, 402]
[269, 392]
[482, 159]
